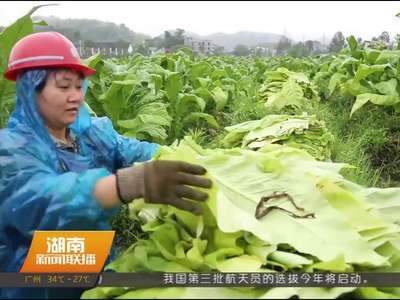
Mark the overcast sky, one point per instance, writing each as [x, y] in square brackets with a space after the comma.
[298, 19]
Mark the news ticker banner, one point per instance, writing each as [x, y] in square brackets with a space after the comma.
[76, 258]
[215, 279]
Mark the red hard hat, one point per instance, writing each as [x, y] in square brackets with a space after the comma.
[44, 49]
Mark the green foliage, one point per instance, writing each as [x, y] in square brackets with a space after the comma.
[303, 132]
[127, 230]
[284, 88]
[194, 92]
[8, 37]
[350, 230]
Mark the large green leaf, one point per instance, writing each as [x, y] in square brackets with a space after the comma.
[93, 60]
[188, 101]
[157, 83]
[388, 87]
[150, 122]
[201, 69]
[204, 93]
[355, 88]
[196, 116]
[142, 119]
[335, 80]
[362, 99]
[372, 55]
[388, 56]
[239, 194]
[13, 33]
[304, 132]
[357, 212]
[364, 70]
[276, 130]
[291, 94]
[204, 82]
[291, 260]
[115, 100]
[220, 97]
[385, 200]
[168, 63]
[173, 86]
[351, 40]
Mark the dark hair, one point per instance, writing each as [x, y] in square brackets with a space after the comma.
[50, 71]
[41, 85]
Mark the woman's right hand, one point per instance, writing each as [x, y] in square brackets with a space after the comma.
[164, 182]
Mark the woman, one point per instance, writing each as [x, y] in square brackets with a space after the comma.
[60, 169]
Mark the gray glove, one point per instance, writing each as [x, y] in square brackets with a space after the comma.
[164, 182]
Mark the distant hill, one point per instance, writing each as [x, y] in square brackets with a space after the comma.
[91, 30]
[108, 32]
[248, 38]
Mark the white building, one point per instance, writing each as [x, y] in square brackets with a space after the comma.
[205, 47]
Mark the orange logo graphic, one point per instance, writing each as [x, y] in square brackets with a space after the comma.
[68, 251]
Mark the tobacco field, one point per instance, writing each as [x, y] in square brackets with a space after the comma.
[304, 155]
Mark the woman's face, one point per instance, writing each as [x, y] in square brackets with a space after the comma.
[60, 99]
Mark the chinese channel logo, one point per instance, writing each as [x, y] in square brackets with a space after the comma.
[68, 251]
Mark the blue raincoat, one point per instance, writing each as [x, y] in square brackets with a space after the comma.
[46, 188]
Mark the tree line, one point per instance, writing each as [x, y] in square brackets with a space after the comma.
[312, 47]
